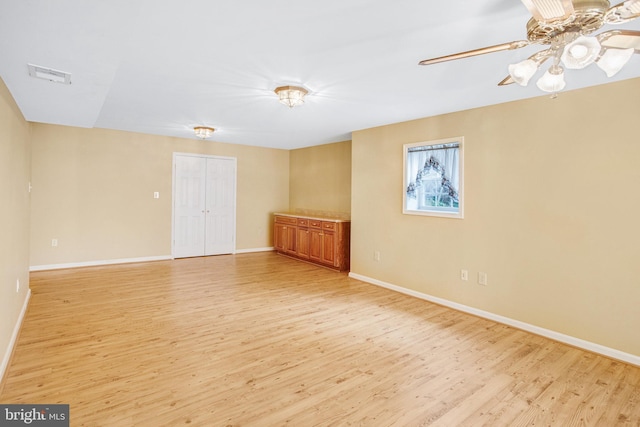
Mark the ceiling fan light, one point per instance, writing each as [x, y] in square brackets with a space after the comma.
[552, 81]
[203, 132]
[549, 10]
[612, 60]
[581, 52]
[522, 72]
[291, 96]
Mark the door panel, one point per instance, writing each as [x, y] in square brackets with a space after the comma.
[328, 245]
[315, 244]
[220, 206]
[189, 215]
[303, 243]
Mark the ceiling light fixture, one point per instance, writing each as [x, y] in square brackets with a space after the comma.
[581, 52]
[612, 60]
[523, 71]
[291, 96]
[571, 47]
[553, 80]
[203, 132]
[566, 25]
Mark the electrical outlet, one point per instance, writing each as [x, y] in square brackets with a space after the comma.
[54, 242]
[376, 255]
[17, 285]
[156, 195]
[482, 278]
[464, 275]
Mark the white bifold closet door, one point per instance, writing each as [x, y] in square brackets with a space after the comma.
[204, 205]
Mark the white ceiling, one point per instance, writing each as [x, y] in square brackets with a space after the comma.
[164, 66]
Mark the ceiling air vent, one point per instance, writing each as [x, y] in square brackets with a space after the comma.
[49, 74]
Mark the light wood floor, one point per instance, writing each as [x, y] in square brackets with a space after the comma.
[263, 340]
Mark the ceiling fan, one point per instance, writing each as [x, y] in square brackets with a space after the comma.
[565, 26]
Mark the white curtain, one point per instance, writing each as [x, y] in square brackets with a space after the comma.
[448, 166]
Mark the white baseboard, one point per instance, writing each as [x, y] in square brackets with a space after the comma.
[95, 263]
[126, 260]
[14, 337]
[246, 251]
[566, 339]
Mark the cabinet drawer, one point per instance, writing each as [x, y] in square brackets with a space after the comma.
[303, 222]
[315, 223]
[286, 220]
[328, 225]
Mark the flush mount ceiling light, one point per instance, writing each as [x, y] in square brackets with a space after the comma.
[50, 74]
[565, 25]
[291, 96]
[203, 132]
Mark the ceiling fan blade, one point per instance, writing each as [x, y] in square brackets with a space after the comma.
[506, 81]
[549, 10]
[475, 52]
[623, 12]
[538, 58]
[620, 39]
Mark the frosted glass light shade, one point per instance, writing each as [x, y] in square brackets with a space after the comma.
[522, 72]
[613, 60]
[291, 95]
[552, 81]
[580, 52]
[203, 132]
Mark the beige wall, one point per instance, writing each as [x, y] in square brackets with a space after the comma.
[93, 191]
[14, 217]
[551, 215]
[321, 178]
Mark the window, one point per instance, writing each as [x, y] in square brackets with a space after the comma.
[433, 182]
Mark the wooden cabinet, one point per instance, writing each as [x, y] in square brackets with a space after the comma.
[328, 250]
[324, 241]
[303, 238]
[279, 237]
[315, 245]
[285, 233]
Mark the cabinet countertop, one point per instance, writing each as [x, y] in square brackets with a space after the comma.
[324, 217]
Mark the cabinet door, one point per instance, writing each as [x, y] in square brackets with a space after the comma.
[315, 245]
[290, 243]
[303, 243]
[328, 248]
[280, 237]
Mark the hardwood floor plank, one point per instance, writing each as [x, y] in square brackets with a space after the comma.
[263, 340]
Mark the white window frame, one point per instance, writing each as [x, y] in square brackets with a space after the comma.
[408, 206]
